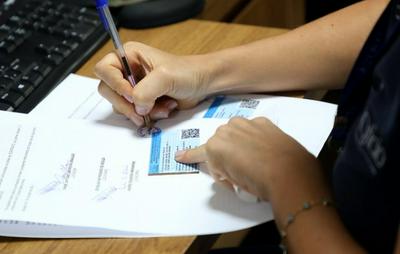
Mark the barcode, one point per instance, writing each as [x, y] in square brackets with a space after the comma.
[190, 133]
[249, 103]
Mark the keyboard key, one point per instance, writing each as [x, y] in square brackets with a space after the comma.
[11, 98]
[54, 59]
[41, 11]
[57, 14]
[42, 69]
[12, 74]
[82, 32]
[31, 25]
[11, 38]
[5, 107]
[4, 64]
[48, 4]
[3, 67]
[93, 22]
[6, 83]
[23, 88]
[7, 47]
[70, 44]
[60, 6]
[33, 77]
[22, 33]
[32, 17]
[62, 32]
[43, 48]
[23, 67]
[51, 10]
[67, 24]
[15, 61]
[5, 28]
[15, 39]
[46, 28]
[91, 14]
[62, 50]
[15, 21]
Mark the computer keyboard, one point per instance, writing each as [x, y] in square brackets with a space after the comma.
[41, 42]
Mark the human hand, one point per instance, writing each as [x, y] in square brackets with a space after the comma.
[254, 155]
[168, 82]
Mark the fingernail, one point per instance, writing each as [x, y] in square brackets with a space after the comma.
[171, 105]
[179, 155]
[141, 110]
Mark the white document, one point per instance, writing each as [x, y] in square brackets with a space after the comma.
[82, 174]
[98, 179]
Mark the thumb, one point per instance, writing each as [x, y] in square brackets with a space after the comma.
[146, 92]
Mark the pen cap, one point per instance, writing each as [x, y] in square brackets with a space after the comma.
[101, 3]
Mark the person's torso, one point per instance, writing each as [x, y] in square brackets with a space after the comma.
[366, 173]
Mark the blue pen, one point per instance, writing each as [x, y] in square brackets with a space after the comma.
[109, 25]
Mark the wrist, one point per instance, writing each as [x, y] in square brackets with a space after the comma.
[293, 185]
[219, 72]
[203, 73]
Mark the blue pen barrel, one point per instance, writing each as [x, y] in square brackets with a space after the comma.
[101, 3]
[109, 25]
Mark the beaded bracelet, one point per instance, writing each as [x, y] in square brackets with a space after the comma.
[292, 216]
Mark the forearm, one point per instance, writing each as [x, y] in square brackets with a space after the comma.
[317, 230]
[318, 55]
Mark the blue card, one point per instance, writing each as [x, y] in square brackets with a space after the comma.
[163, 148]
[227, 107]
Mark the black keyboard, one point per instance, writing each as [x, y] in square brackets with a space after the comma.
[41, 42]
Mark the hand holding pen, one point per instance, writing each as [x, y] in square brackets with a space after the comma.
[106, 18]
[169, 80]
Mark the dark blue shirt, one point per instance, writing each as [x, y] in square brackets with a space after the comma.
[366, 179]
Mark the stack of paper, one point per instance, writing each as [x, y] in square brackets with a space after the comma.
[64, 177]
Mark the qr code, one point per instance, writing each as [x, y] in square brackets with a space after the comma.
[249, 103]
[190, 133]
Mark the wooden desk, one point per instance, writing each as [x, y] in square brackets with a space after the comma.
[190, 37]
[270, 13]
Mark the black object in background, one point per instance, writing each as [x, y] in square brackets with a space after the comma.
[154, 13]
[318, 8]
[41, 42]
[264, 238]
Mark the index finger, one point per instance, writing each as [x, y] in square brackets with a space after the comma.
[195, 155]
[109, 70]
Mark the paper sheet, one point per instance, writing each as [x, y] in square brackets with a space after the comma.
[101, 168]
[58, 172]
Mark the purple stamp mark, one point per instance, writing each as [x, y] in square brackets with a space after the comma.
[144, 131]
